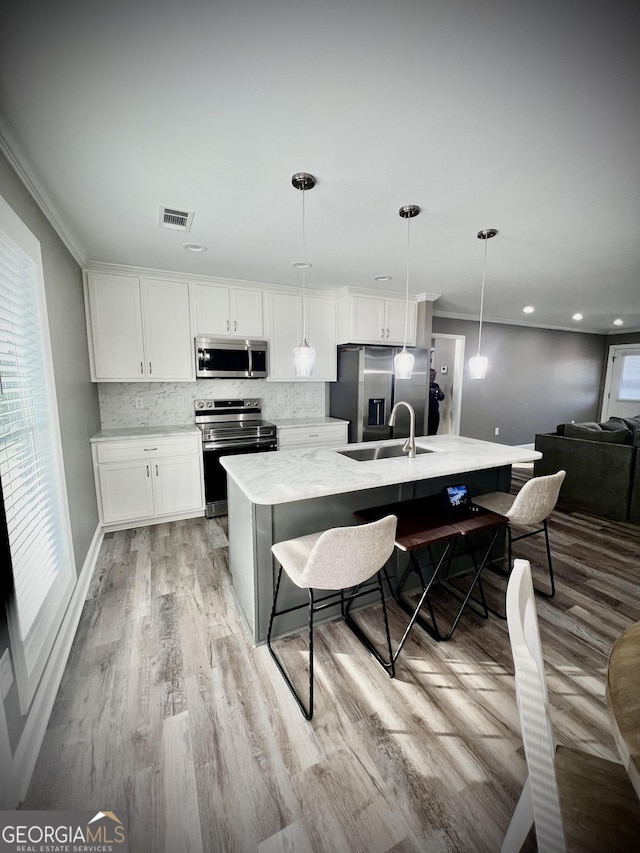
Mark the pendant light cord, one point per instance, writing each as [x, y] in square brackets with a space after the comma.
[406, 289]
[304, 273]
[484, 270]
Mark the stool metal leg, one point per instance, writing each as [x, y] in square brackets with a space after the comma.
[307, 714]
[544, 529]
[387, 665]
[317, 604]
[552, 592]
[510, 540]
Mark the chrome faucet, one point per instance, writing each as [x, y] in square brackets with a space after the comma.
[409, 447]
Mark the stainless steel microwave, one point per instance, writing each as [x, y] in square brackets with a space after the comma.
[224, 358]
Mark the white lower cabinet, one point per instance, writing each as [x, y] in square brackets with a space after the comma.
[141, 480]
[177, 484]
[314, 435]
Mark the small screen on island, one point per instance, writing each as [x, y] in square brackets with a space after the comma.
[456, 497]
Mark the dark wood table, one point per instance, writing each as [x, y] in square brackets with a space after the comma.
[623, 699]
[423, 523]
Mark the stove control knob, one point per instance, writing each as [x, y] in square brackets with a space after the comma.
[255, 402]
[199, 404]
[209, 404]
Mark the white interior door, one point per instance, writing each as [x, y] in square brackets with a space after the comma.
[622, 384]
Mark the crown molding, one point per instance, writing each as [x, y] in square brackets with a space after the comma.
[198, 278]
[503, 322]
[12, 149]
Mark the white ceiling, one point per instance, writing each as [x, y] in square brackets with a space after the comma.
[519, 116]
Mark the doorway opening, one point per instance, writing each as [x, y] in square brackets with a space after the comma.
[447, 359]
[621, 396]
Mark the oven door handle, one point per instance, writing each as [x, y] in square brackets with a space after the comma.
[235, 445]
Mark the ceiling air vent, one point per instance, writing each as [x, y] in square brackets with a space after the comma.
[177, 220]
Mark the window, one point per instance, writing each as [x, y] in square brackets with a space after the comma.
[629, 389]
[33, 487]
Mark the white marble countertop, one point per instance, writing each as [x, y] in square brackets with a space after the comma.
[123, 433]
[300, 474]
[284, 423]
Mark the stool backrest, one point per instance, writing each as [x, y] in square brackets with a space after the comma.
[536, 499]
[345, 556]
[533, 707]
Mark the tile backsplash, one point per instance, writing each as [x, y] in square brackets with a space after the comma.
[171, 403]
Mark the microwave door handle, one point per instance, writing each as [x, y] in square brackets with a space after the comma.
[250, 354]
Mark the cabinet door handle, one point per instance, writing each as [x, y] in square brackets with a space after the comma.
[382, 333]
[151, 371]
[148, 473]
[141, 367]
[387, 332]
[157, 471]
[227, 325]
[149, 448]
[235, 325]
[313, 435]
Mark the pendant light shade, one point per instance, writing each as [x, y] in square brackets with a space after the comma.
[304, 356]
[478, 366]
[403, 362]
[478, 363]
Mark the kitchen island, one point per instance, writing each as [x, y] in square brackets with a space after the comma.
[278, 496]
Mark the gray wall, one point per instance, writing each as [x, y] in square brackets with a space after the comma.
[78, 408]
[537, 378]
[625, 338]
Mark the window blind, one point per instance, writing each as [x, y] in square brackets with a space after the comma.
[33, 487]
[629, 389]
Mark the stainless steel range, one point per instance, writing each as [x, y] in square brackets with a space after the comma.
[229, 427]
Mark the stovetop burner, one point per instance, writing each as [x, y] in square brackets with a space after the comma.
[231, 418]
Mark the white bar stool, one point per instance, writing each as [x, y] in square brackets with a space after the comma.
[350, 562]
[531, 507]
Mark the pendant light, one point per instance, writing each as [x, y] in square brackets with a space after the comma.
[478, 363]
[403, 362]
[304, 356]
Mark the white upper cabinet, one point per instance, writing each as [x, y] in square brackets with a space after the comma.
[375, 320]
[166, 324]
[138, 329]
[220, 311]
[284, 330]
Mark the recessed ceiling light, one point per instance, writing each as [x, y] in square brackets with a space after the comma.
[194, 247]
[618, 322]
[577, 316]
[382, 278]
[528, 309]
[301, 265]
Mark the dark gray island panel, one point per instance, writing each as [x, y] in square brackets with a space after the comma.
[254, 527]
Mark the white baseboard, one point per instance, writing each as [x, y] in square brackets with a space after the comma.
[114, 527]
[26, 755]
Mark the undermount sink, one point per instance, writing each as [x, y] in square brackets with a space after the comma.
[367, 454]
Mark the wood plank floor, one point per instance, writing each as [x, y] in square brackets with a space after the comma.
[167, 711]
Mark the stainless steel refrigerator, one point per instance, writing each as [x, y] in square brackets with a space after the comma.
[366, 391]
